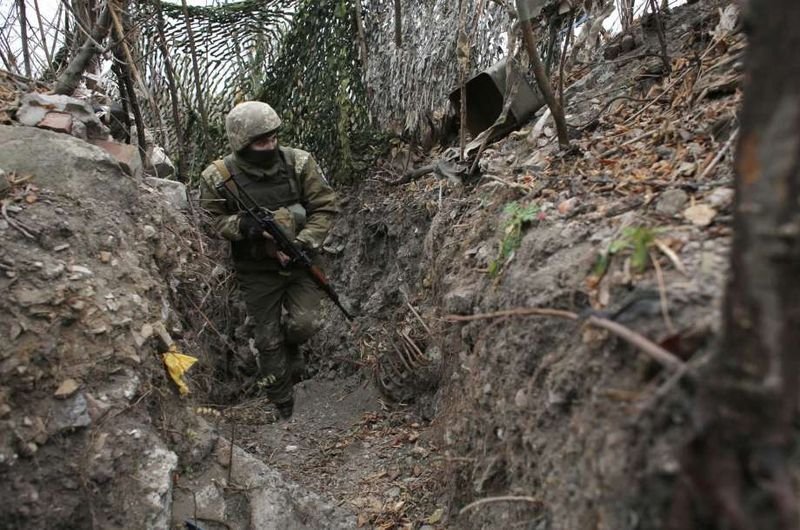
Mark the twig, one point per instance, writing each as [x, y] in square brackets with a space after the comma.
[194, 498]
[520, 312]
[412, 175]
[655, 100]
[414, 311]
[676, 261]
[14, 224]
[21, 77]
[710, 167]
[563, 61]
[662, 390]
[230, 453]
[514, 185]
[462, 54]
[215, 521]
[47, 55]
[604, 108]
[611, 151]
[502, 498]
[662, 292]
[652, 349]
[128, 68]
[212, 326]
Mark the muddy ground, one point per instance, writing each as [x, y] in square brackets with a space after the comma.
[432, 400]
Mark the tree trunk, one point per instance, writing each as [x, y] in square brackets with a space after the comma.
[738, 471]
[197, 84]
[173, 94]
[48, 56]
[68, 81]
[542, 80]
[23, 31]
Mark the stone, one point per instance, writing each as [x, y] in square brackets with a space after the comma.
[155, 478]
[627, 43]
[521, 398]
[126, 155]
[66, 389]
[66, 166]
[721, 198]
[53, 271]
[671, 202]
[35, 107]
[664, 152]
[566, 206]
[160, 163]
[149, 232]
[274, 500]
[612, 51]
[174, 192]
[57, 121]
[71, 414]
[120, 386]
[459, 301]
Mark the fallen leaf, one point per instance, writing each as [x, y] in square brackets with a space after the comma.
[700, 214]
[66, 389]
[435, 517]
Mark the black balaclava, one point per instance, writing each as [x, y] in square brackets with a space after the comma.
[260, 158]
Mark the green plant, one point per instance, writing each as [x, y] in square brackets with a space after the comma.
[517, 217]
[636, 239]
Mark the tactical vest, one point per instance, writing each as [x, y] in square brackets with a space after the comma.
[280, 192]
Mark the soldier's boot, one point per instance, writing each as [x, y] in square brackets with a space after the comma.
[286, 408]
[276, 379]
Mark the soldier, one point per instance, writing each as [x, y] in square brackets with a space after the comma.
[289, 183]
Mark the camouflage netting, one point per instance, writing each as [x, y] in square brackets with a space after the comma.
[234, 43]
[316, 87]
[409, 84]
[302, 57]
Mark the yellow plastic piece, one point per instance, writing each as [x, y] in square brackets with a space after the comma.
[177, 365]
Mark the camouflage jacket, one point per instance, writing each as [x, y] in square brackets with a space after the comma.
[296, 179]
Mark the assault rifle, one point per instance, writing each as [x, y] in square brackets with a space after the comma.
[266, 220]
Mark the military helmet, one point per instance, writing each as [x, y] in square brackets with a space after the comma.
[249, 120]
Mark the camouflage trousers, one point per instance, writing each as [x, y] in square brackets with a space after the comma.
[284, 306]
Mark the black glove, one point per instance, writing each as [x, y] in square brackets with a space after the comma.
[250, 228]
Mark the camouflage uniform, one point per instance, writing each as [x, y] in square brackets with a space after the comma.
[293, 188]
